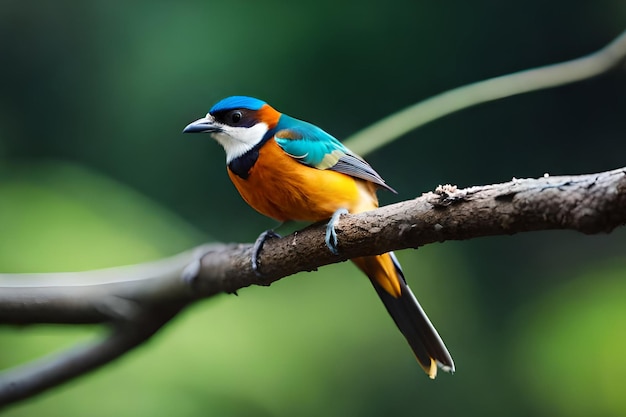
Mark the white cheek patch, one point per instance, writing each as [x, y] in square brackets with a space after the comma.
[236, 141]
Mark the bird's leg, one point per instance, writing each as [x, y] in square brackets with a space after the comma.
[331, 234]
[258, 245]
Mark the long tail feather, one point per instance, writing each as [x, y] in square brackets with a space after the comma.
[386, 275]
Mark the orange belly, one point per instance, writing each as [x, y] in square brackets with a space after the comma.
[280, 187]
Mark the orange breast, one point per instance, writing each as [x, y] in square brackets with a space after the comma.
[282, 188]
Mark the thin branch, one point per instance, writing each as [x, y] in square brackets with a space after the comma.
[392, 127]
[30, 379]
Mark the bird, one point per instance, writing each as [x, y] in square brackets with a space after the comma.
[288, 169]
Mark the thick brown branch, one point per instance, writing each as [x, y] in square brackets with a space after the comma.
[591, 203]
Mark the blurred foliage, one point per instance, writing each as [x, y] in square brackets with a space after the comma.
[62, 217]
[573, 334]
[94, 172]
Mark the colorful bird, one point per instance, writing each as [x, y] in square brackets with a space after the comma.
[288, 169]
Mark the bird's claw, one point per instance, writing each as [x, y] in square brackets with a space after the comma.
[331, 233]
[258, 245]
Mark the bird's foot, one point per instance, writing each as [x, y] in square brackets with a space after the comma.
[258, 245]
[331, 233]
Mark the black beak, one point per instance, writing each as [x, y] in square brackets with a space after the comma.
[202, 125]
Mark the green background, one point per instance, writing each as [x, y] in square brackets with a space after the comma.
[94, 172]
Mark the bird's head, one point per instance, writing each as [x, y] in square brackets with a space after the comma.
[238, 123]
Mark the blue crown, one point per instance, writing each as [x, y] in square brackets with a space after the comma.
[237, 102]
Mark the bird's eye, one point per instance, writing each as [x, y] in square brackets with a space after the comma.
[235, 117]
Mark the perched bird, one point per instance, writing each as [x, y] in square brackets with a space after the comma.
[288, 169]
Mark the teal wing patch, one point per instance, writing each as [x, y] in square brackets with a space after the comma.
[309, 144]
[312, 146]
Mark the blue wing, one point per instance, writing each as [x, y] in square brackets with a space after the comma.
[312, 146]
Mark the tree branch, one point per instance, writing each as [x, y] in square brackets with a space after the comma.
[391, 127]
[592, 203]
[35, 377]
[118, 294]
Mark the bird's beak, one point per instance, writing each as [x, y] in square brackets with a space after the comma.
[203, 125]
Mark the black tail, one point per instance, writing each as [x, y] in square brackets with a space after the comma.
[415, 326]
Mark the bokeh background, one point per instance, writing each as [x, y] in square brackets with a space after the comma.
[94, 172]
